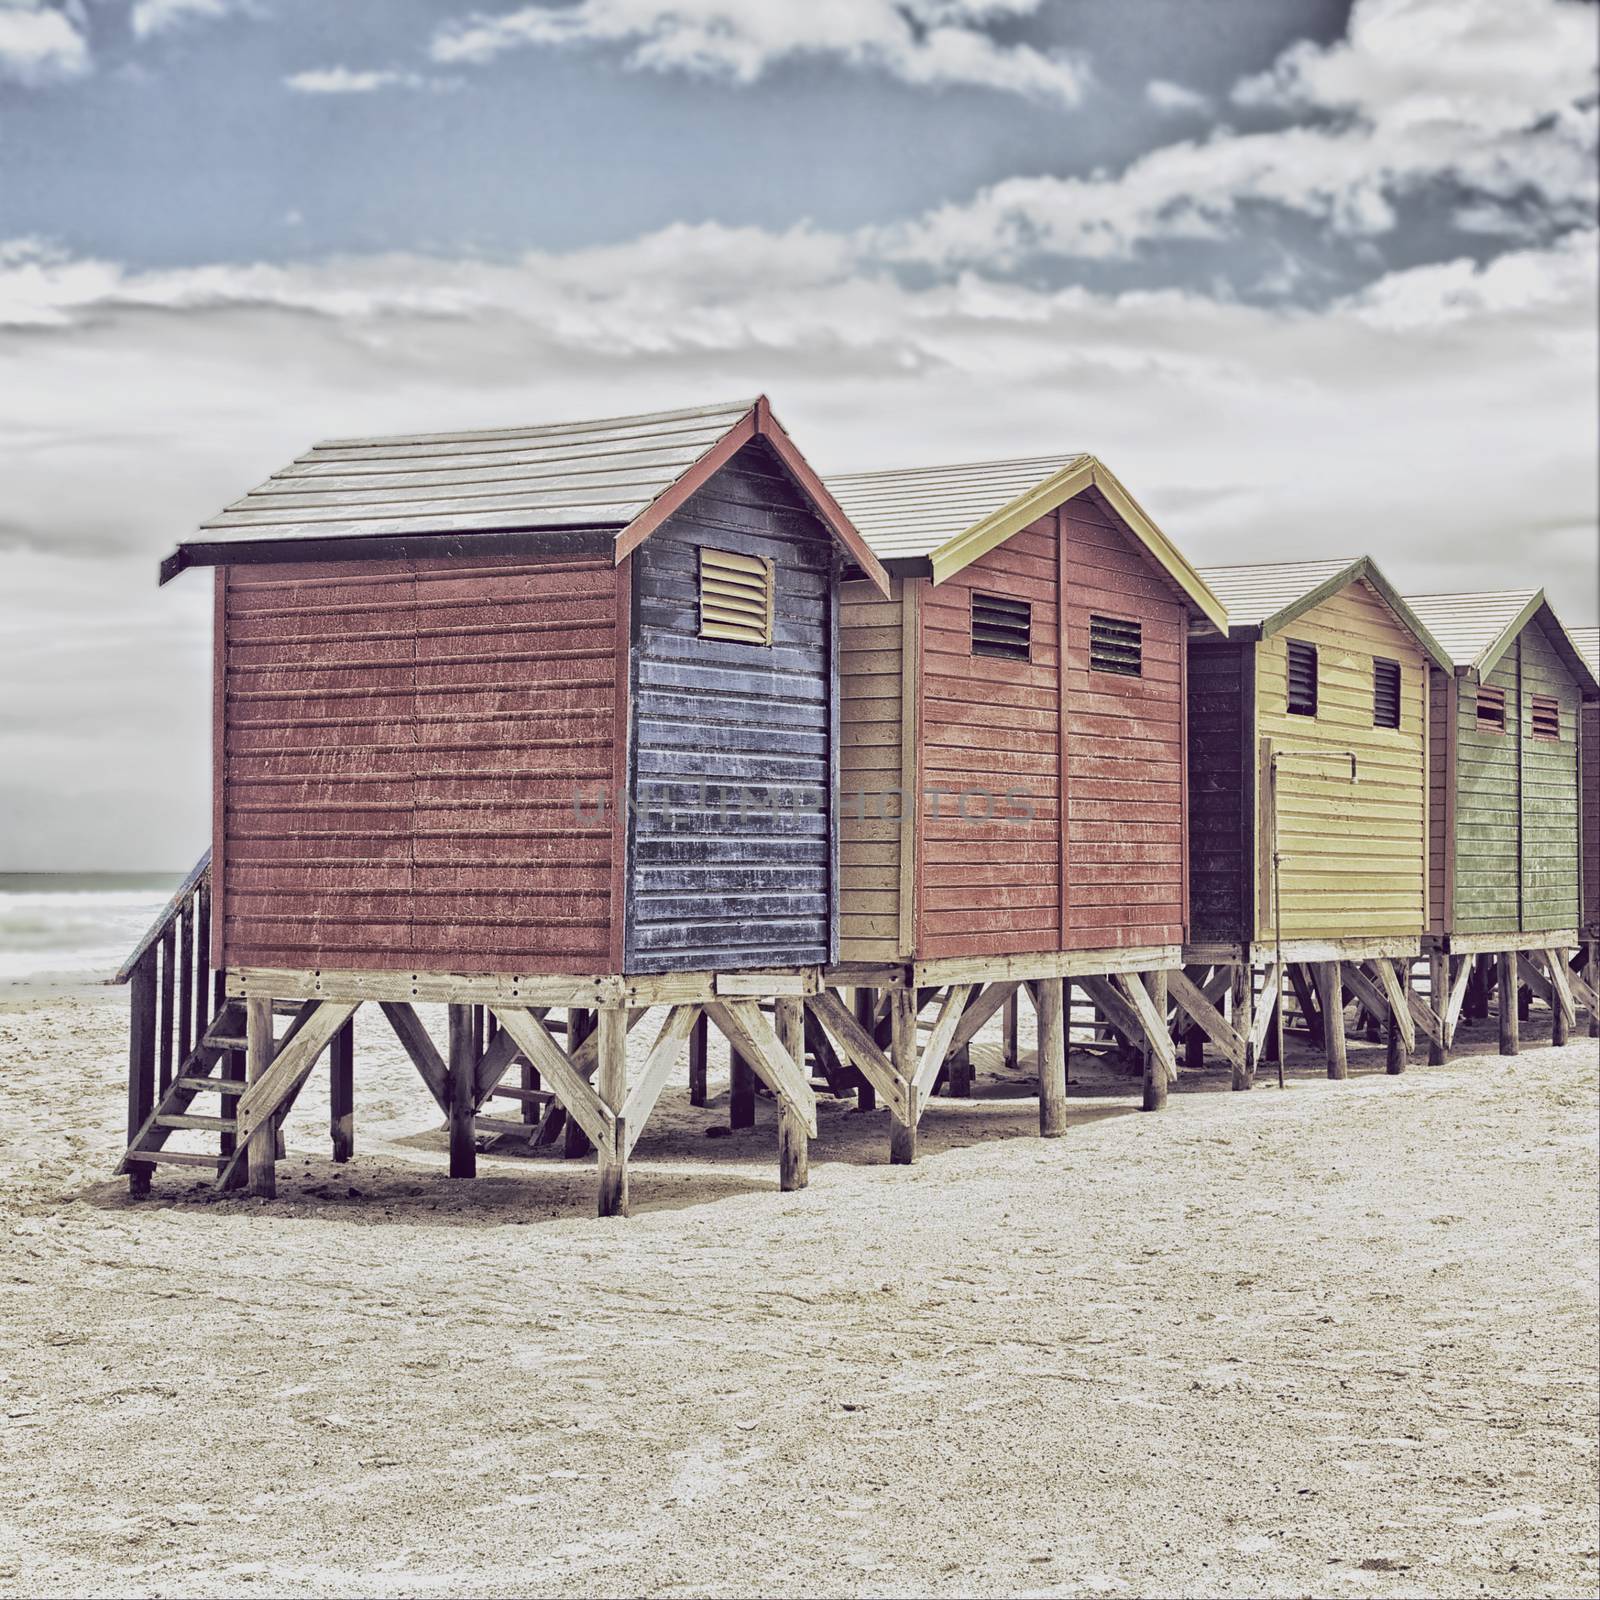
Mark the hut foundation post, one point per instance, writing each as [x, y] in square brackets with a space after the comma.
[1052, 1059]
[1439, 999]
[1592, 969]
[1008, 1033]
[342, 1092]
[1244, 1076]
[1330, 977]
[794, 1141]
[575, 1142]
[741, 1091]
[611, 1082]
[141, 1065]
[1510, 1009]
[261, 1156]
[463, 1091]
[1155, 1073]
[698, 1039]
[903, 1057]
[1395, 1052]
[866, 1004]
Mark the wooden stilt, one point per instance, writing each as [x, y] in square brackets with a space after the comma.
[1155, 1076]
[1592, 972]
[531, 1084]
[1052, 1060]
[1439, 998]
[1310, 1010]
[741, 1091]
[1395, 1052]
[1008, 1032]
[1506, 983]
[463, 1092]
[958, 1066]
[903, 1055]
[698, 1039]
[1194, 1048]
[794, 1139]
[1331, 983]
[1524, 1002]
[575, 1143]
[262, 1153]
[1562, 1013]
[142, 1010]
[866, 1005]
[342, 1092]
[611, 1082]
[1243, 987]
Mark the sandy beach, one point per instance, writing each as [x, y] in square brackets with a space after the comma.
[1336, 1339]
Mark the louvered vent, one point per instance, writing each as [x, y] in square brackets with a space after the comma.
[1001, 627]
[1385, 693]
[1302, 679]
[1491, 709]
[1546, 717]
[735, 597]
[1116, 645]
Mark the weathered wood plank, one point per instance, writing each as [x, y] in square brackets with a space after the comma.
[680, 1023]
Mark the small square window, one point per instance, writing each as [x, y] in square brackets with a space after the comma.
[1546, 717]
[1001, 627]
[1116, 645]
[1302, 679]
[1491, 709]
[735, 597]
[1385, 693]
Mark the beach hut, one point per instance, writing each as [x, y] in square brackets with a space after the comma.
[1504, 813]
[1012, 769]
[513, 720]
[1308, 804]
[1588, 643]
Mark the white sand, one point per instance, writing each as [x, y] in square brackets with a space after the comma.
[1334, 1340]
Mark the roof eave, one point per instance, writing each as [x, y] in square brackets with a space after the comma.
[1488, 659]
[1362, 569]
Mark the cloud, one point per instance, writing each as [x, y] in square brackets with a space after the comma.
[158, 16]
[1175, 98]
[40, 45]
[930, 43]
[1496, 101]
[343, 80]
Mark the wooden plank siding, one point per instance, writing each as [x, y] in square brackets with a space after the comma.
[1591, 814]
[1443, 692]
[872, 757]
[1222, 788]
[402, 742]
[1355, 853]
[733, 813]
[1126, 827]
[989, 882]
[1548, 859]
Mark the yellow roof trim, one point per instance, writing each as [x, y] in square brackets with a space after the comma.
[1084, 473]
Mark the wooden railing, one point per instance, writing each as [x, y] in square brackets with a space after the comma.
[173, 993]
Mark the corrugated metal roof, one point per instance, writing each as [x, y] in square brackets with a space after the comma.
[1253, 593]
[596, 474]
[1470, 625]
[912, 511]
[1588, 641]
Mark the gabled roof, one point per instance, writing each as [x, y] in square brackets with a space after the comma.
[622, 475]
[1264, 597]
[1588, 643]
[946, 517]
[1477, 629]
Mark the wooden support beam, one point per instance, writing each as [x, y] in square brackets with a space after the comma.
[858, 1046]
[1160, 1060]
[1310, 1010]
[276, 1086]
[463, 1092]
[1210, 1023]
[681, 1023]
[746, 1028]
[1113, 1006]
[342, 1092]
[865, 1002]
[1506, 983]
[1565, 1007]
[263, 1152]
[903, 1055]
[419, 1049]
[939, 1043]
[1400, 1030]
[1365, 986]
[1460, 978]
[794, 1138]
[1008, 1031]
[1592, 975]
[1052, 1059]
[611, 1081]
[1438, 1000]
[980, 1007]
[1241, 980]
[1330, 979]
[142, 1012]
[697, 1059]
[741, 1091]
[594, 1116]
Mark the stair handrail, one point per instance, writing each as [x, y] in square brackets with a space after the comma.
[168, 916]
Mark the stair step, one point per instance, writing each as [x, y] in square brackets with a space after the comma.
[202, 1085]
[193, 1119]
[173, 1158]
[531, 1097]
[225, 1041]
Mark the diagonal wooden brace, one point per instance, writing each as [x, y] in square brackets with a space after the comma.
[290, 1068]
[979, 1009]
[1267, 1009]
[1458, 995]
[858, 1045]
[1192, 999]
[663, 1057]
[939, 1041]
[1154, 1025]
[560, 1071]
[423, 1053]
[746, 1028]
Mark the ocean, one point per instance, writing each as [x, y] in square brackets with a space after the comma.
[68, 930]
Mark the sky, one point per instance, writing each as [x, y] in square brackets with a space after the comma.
[1314, 278]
